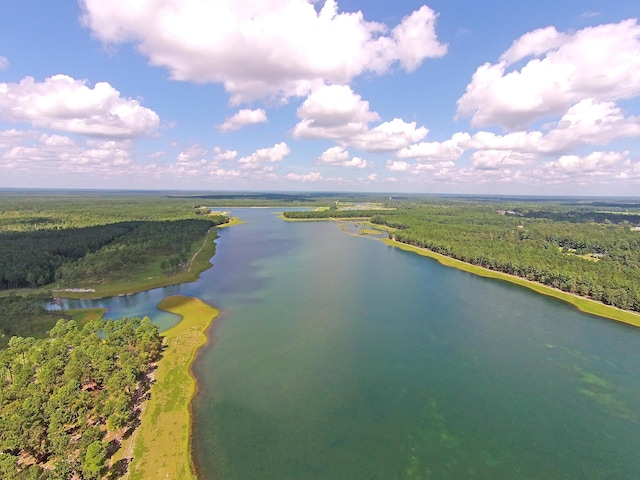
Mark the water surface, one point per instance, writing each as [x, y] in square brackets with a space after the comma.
[338, 357]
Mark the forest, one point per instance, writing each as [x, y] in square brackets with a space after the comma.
[29, 309]
[333, 213]
[592, 250]
[67, 401]
[70, 393]
[66, 240]
[52, 243]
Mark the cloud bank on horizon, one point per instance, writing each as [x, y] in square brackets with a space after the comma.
[301, 95]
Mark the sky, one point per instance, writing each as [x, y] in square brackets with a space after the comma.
[450, 96]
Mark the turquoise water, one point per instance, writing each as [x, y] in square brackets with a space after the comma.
[338, 357]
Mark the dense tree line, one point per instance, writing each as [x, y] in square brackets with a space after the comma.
[59, 211]
[43, 233]
[170, 240]
[31, 259]
[600, 261]
[580, 216]
[66, 401]
[273, 199]
[587, 250]
[333, 213]
[40, 257]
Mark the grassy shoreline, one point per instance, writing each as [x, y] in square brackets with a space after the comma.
[161, 446]
[581, 303]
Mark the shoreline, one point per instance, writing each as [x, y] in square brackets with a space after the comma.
[583, 304]
[197, 265]
[161, 445]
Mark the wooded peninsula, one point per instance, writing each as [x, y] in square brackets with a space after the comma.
[72, 388]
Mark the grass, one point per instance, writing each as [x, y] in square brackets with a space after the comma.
[40, 325]
[584, 304]
[161, 446]
[20, 291]
[82, 316]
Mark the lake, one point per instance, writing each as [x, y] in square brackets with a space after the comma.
[339, 357]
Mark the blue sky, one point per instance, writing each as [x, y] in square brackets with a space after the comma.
[450, 96]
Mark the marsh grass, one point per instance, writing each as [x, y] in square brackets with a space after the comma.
[161, 446]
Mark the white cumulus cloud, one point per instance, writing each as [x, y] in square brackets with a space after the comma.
[4, 62]
[596, 163]
[68, 105]
[389, 136]
[243, 118]
[194, 153]
[533, 44]
[333, 112]
[339, 156]
[601, 62]
[220, 155]
[586, 123]
[497, 159]
[265, 155]
[336, 112]
[398, 166]
[156, 154]
[591, 123]
[449, 150]
[53, 154]
[308, 177]
[260, 49]
[221, 173]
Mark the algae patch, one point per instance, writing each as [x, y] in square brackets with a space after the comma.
[602, 392]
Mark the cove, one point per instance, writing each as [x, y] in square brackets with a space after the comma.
[338, 357]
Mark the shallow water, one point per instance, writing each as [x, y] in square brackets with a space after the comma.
[339, 357]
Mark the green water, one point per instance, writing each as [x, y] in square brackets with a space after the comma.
[338, 357]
